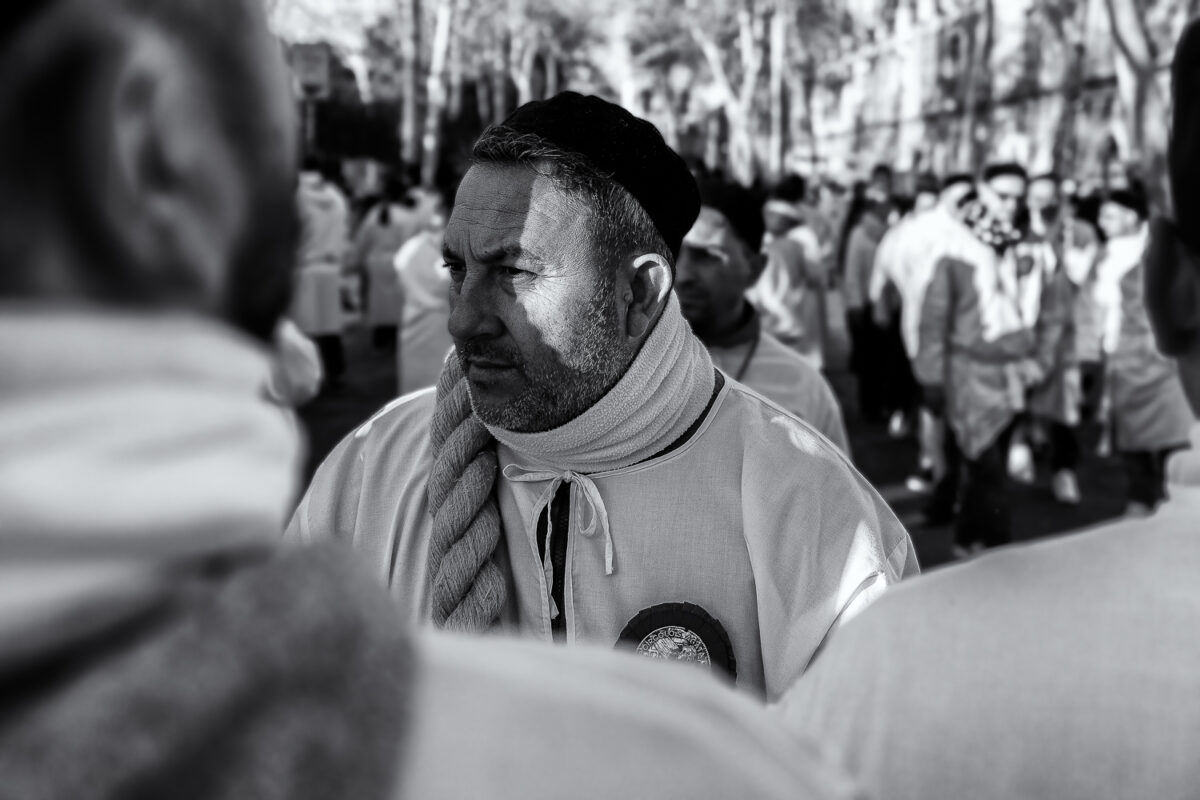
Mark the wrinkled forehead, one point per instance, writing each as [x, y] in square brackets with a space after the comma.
[503, 206]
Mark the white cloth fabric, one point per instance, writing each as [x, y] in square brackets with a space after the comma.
[1064, 669]
[664, 391]
[1121, 255]
[755, 517]
[324, 226]
[424, 326]
[789, 293]
[374, 250]
[297, 372]
[540, 723]
[135, 448]
[1150, 411]
[783, 376]
[906, 259]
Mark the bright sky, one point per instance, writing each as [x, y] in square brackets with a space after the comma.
[339, 22]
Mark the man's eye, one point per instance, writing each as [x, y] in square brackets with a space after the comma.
[454, 269]
[513, 272]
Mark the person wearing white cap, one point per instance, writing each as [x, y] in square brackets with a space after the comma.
[583, 472]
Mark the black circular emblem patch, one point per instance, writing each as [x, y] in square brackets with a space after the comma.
[680, 632]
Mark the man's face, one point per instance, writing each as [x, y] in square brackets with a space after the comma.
[533, 312]
[712, 272]
[1116, 220]
[1042, 194]
[1007, 192]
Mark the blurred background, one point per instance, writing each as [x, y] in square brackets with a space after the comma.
[754, 88]
[756, 91]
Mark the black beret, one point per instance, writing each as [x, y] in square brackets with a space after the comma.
[928, 183]
[1008, 168]
[740, 206]
[956, 179]
[628, 150]
[15, 13]
[1130, 198]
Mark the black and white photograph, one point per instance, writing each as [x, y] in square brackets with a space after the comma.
[555, 399]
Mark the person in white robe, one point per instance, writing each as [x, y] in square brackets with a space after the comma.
[155, 639]
[317, 301]
[1150, 415]
[904, 267]
[720, 259]
[1063, 669]
[383, 231]
[633, 494]
[423, 338]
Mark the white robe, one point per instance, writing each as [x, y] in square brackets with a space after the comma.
[424, 334]
[510, 720]
[755, 518]
[1065, 669]
[783, 376]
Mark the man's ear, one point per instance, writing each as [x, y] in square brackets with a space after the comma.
[649, 285]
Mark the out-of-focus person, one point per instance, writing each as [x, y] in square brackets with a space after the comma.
[423, 336]
[296, 374]
[719, 260]
[385, 228]
[1083, 249]
[1063, 669]
[154, 641]
[866, 339]
[1055, 406]
[583, 473]
[789, 292]
[984, 343]
[904, 265]
[1150, 414]
[325, 228]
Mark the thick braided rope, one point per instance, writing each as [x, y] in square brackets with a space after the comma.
[468, 588]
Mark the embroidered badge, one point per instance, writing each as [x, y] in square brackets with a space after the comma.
[680, 632]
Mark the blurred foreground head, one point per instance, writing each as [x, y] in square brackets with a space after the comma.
[147, 152]
[1173, 257]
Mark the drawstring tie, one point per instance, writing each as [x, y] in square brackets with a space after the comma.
[587, 509]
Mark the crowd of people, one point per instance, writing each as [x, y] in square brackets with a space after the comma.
[998, 319]
[612, 447]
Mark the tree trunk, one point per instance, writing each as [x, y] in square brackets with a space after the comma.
[410, 67]
[1144, 105]
[499, 75]
[455, 100]
[436, 90]
[778, 64]
[972, 153]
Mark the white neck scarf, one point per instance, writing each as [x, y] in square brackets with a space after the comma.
[664, 392]
[133, 446]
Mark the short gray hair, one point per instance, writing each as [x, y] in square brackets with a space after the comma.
[618, 224]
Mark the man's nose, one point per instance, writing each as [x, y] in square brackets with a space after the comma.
[473, 311]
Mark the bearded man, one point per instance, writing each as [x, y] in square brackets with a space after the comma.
[583, 472]
[155, 639]
[720, 260]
